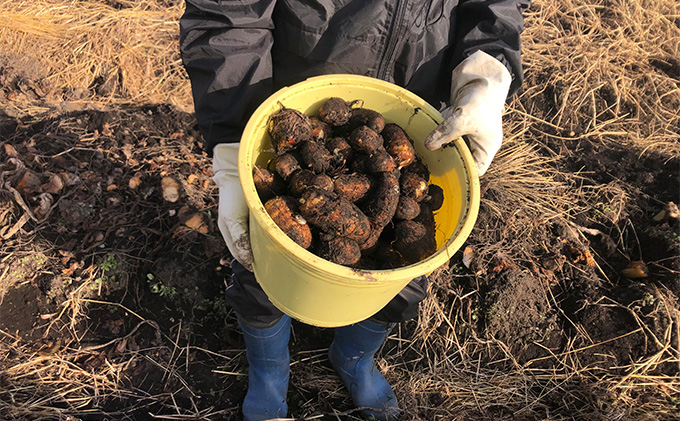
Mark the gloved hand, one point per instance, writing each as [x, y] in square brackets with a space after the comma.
[479, 87]
[233, 210]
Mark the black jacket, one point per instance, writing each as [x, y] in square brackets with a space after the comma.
[237, 53]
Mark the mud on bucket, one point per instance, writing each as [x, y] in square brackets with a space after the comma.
[314, 290]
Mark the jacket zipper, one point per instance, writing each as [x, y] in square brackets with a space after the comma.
[392, 40]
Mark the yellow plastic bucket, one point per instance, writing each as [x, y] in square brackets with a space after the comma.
[314, 290]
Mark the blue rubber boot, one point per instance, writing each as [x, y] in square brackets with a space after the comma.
[351, 355]
[268, 371]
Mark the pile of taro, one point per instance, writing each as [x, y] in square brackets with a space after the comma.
[349, 187]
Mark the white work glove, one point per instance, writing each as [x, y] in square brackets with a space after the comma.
[479, 87]
[233, 210]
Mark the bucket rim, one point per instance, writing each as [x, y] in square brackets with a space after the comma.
[344, 274]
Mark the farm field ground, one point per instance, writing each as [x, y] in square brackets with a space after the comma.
[563, 304]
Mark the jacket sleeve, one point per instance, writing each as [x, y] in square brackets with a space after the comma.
[493, 27]
[226, 50]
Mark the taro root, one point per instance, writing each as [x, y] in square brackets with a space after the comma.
[414, 241]
[419, 168]
[335, 111]
[369, 245]
[340, 250]
[341, 151]
[322, 181]
[334, 215]
[380, 161]
[358, 163]
[382, 204]
[321, 131]
[365, 140]
[267, 183]
[286, 165]
[398, 144]
[287, 128]
[316, 156]
[407, 208]
[299, 181]
[426, 216]
[283, 210]
[435, 196]
[387, 256]
[365, 117]
[413, 185]
[352, 187]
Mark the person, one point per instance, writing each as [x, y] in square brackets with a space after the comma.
[462, 56]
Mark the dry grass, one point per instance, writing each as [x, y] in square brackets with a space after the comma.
[90, 52]
[596, 72]
[599, 67]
